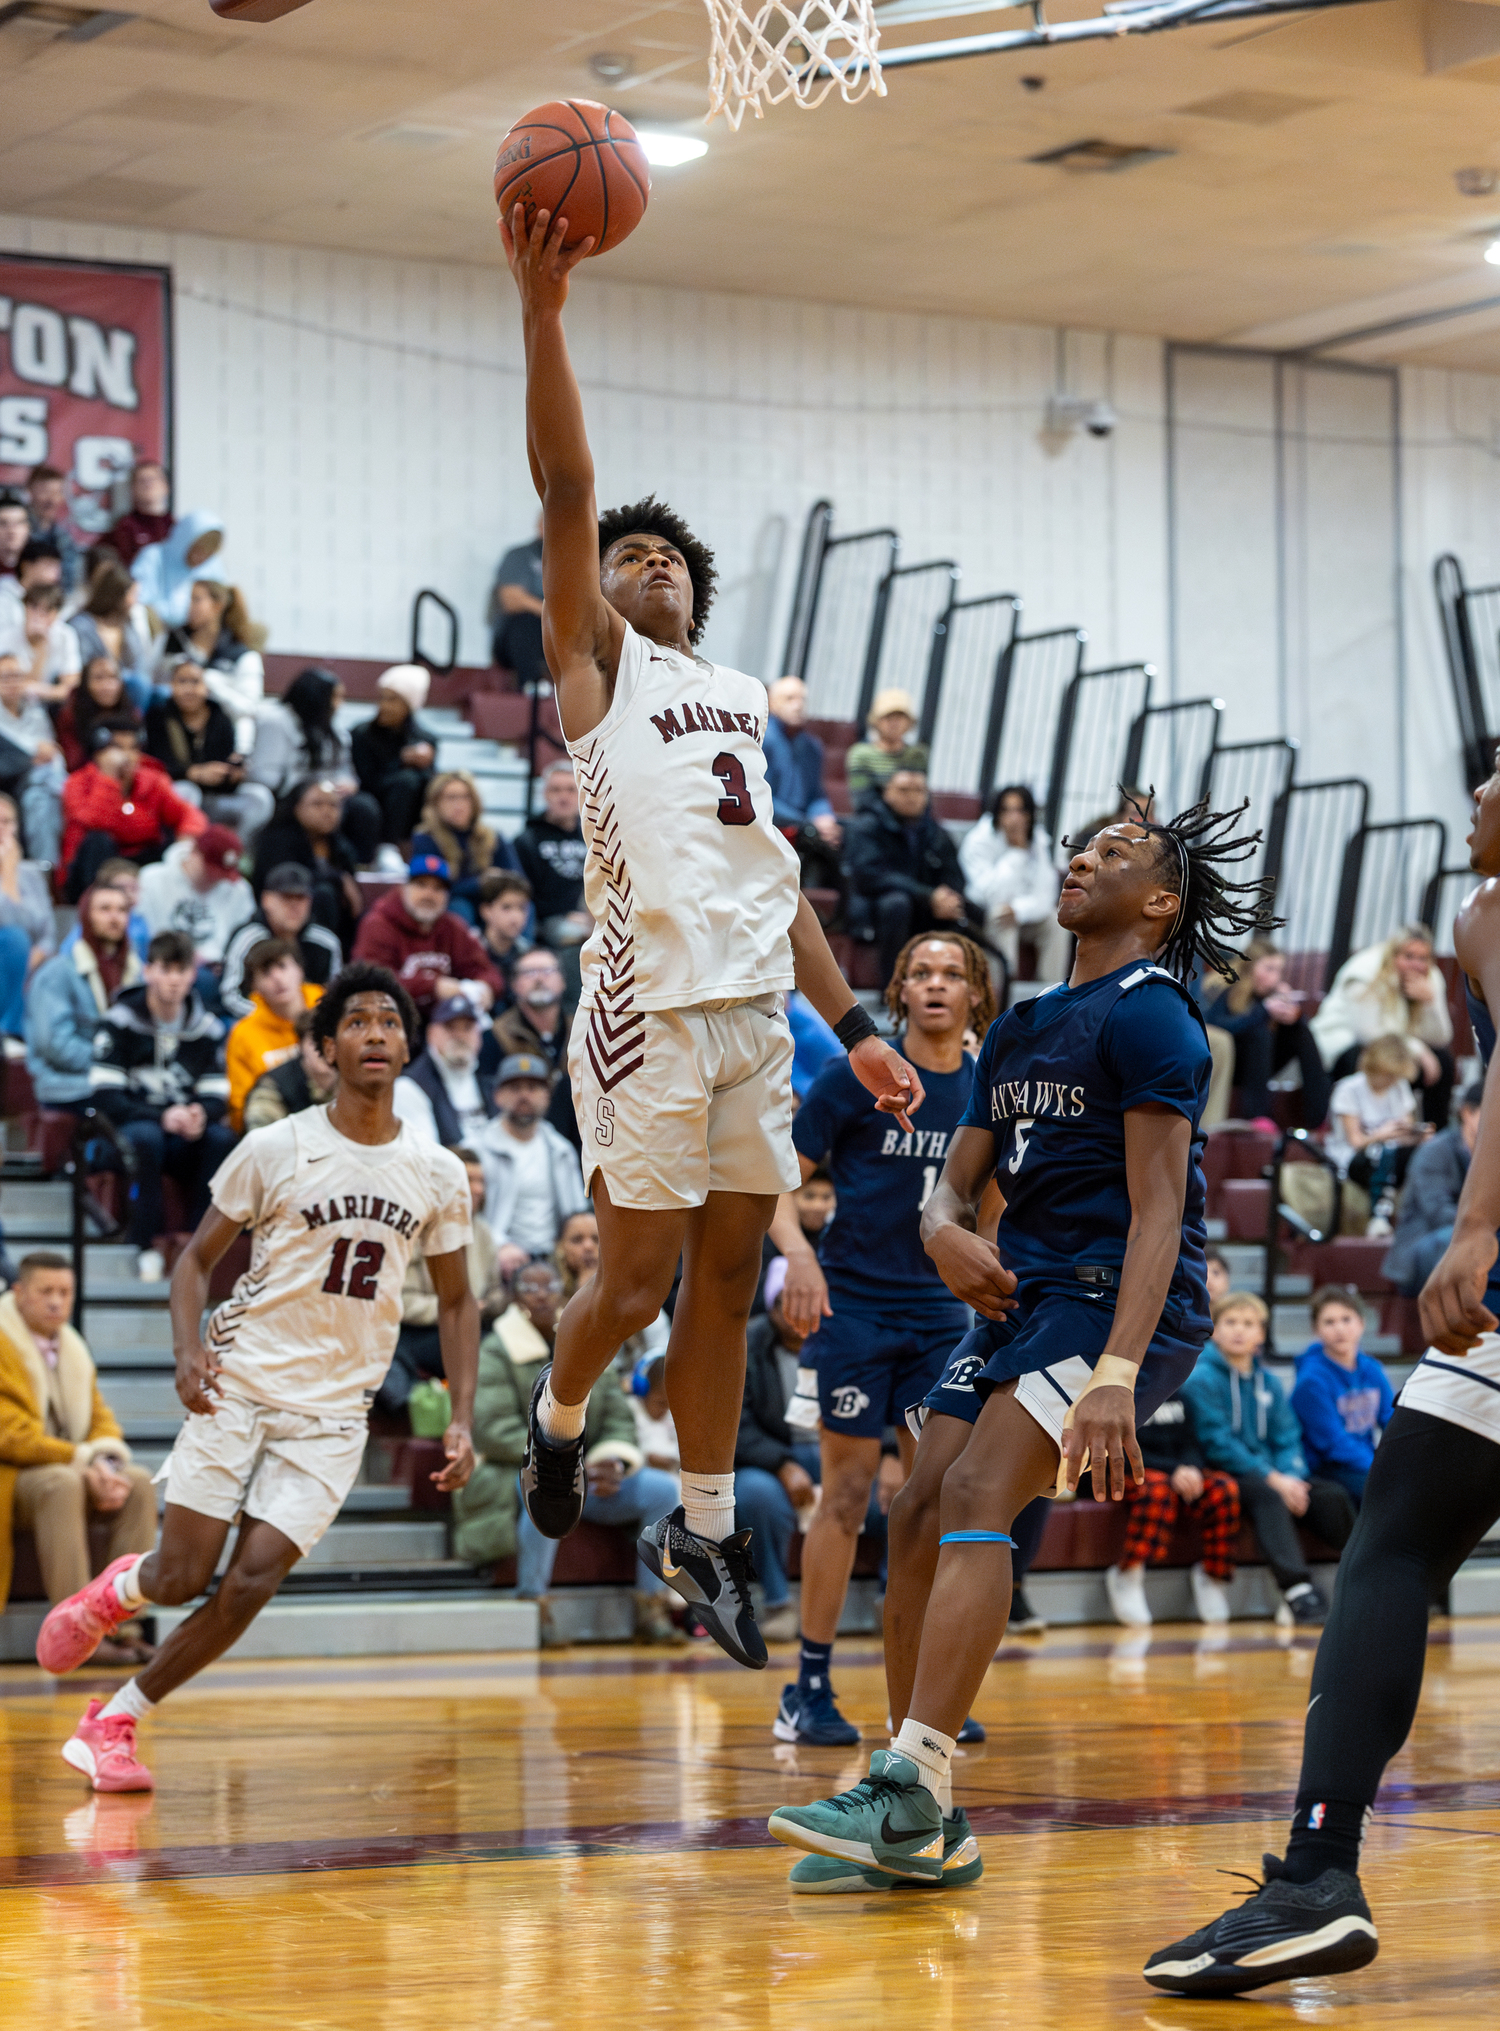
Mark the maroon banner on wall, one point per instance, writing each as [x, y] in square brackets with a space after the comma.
[85, 377]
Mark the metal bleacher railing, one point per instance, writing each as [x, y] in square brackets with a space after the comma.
[1392, 876]
[834, 612]
[1169, 749]
[1319, 824]
[1021, 739]
[1099, 708]
[970, 645]
[1470, 621]
[1259, 773]
[419, 606]
[910, 602]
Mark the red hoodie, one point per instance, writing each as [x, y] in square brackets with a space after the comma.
[95, 802]
[390, 936]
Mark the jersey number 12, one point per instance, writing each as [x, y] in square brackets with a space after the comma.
[368, 1257]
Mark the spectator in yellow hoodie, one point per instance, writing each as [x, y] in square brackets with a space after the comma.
[266, 1037]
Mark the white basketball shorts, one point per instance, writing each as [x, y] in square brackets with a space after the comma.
[1463, 1388]
[676, 1103]
[280, 1466]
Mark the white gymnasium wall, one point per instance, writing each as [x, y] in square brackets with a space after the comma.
[359, 424]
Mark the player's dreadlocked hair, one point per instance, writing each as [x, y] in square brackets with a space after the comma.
[362, 978]
[652, 517]
[1193, 850]
[976, 971]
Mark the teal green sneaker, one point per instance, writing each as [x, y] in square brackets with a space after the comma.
[890, 1821]
[826, 1876]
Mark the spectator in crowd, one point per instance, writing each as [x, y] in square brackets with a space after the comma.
[1342, 1397]
[1178, 1488]
[156, 1077]
[112, 622]
[532, 1176]
[516, 614]
[776, 1466]
[70, 996]
[15, 534]
[504, 905]
[452, 828]
[26, 729]
[47, 491]
[219, 635]
[576, 1256]
[439, 1094]
[167, 571]
[537, 1022]
[1246, 1428]
[63, 1460]
[871, 763]
[623, 1492]
[1264, 1017]
[284, 911]
[38, 567]
[433, 953]
[197, 887]
[99, 695]
[799, 803]
[419, 1352]
[307, 1080]
[120, 806]
[149, 518]
[28, 933]
[44, 642]
[1375, 1126]
[816, 1204]
[905, 864]
[1217, 1273]
[552, 853]
[1429, 1198]
[1394, 989]
[125, 876]
[1009, 873]
[297, 736]
[307, 831]
[193, 738]
[655, 1433]
[393, 754]
[268, 1036]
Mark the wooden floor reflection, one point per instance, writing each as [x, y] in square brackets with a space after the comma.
[453, 1842]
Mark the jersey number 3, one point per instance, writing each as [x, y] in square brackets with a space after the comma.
[735, 807]
[368, 1257]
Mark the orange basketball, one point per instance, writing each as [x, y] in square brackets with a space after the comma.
[578, 158]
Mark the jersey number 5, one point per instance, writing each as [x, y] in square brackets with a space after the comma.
[1023, 1128]
[367, 1260]
[735, 807]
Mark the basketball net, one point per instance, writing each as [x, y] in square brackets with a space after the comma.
[768, 50]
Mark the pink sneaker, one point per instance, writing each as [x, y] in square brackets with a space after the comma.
[104, 1750]
[73, 1631]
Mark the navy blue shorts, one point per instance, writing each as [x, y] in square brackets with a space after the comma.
[1051, 1341]
[872, 1363]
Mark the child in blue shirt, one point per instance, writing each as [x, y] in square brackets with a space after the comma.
[1342, 1398]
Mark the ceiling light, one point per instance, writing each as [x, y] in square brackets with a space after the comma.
[1492, 253]
[666, 150]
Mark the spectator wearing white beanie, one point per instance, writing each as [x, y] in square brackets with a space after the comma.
[393, 754]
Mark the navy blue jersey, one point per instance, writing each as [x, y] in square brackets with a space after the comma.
[1055, 1078]
[882, 1173]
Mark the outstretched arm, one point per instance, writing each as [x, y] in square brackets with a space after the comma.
[458, 1340]
[1454, 1313]
[878, 1068]
[581, 632]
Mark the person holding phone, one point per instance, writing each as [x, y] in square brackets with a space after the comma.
[1264, 1017]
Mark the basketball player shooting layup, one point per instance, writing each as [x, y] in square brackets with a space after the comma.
[681, 1058]
[1085, 1111]
[279, 1385]
[1433, 1492]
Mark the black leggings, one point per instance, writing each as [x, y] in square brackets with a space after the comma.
[1261, 1052]
[1433, 1492]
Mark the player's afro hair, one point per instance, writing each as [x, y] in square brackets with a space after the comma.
[362, 978]
[652, 517]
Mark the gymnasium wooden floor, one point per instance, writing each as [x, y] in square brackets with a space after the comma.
[580, 1840]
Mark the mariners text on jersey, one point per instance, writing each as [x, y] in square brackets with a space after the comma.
[362, 1208]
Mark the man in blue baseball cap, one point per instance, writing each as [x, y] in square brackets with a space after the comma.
[433, 953]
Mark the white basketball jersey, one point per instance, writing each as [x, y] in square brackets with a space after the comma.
[691, 887]
[312, 1323]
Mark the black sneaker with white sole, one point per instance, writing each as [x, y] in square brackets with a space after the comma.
[553, 1483]
[714, 1579]
[1281, 1932]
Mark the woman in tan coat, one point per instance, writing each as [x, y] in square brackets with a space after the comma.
[63, 1461]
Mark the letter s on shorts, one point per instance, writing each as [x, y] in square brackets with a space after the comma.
[604, 1123]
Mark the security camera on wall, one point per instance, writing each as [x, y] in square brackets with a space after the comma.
[1068, 413]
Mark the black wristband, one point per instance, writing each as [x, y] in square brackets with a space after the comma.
[854, 1027]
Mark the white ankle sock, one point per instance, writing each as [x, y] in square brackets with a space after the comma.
[560, 1422]
[932, 1752]
[129, 1700]
[128, 1585]
[708, 1504]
